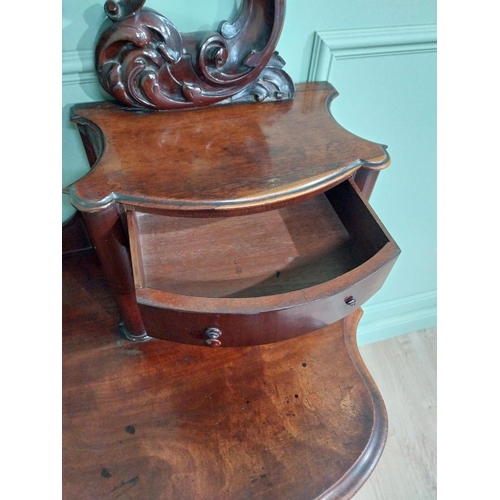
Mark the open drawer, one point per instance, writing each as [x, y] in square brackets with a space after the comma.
[259, 278]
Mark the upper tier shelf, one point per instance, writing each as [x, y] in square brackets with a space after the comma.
[222, 160]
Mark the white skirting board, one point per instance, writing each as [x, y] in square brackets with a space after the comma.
[397, 317]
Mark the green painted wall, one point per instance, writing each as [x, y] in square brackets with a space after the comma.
[381, 57]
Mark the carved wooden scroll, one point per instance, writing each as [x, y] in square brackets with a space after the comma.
[144, 61]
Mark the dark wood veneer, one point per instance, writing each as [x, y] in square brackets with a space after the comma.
[245, 226]
[262, 277]
[219, 161]
[299, 419]
[267, 164]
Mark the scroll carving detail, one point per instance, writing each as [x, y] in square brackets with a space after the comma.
[144, 61]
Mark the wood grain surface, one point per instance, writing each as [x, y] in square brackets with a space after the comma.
[299, 419]
[254, 255]
[262, 277]
[232, 159]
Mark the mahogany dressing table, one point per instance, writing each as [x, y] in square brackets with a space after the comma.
[238, 245]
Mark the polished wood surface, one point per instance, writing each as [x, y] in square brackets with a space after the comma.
[299, 419]
[257, 255]
[254, 255]
[262, 277]
[297, 268]
[224, 160]
[242, 226]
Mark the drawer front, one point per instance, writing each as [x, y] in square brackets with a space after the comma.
[243, 329]
[331, 254]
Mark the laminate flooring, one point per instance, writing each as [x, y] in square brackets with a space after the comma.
[404, 369]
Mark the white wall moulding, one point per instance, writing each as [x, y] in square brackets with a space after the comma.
[332, 45]
[337, 58]
[78, 67]
[396, 317]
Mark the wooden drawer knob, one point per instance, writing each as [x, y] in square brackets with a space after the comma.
[213, 335]
[350, 301]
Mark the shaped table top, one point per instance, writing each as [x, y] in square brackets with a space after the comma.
[221, 160]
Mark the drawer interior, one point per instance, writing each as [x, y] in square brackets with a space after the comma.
[257, 255]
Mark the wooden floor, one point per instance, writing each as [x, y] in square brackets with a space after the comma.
[404, 369]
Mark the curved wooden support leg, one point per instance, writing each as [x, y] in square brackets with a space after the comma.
[110, 242]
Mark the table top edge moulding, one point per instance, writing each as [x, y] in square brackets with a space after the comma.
[254, 159]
